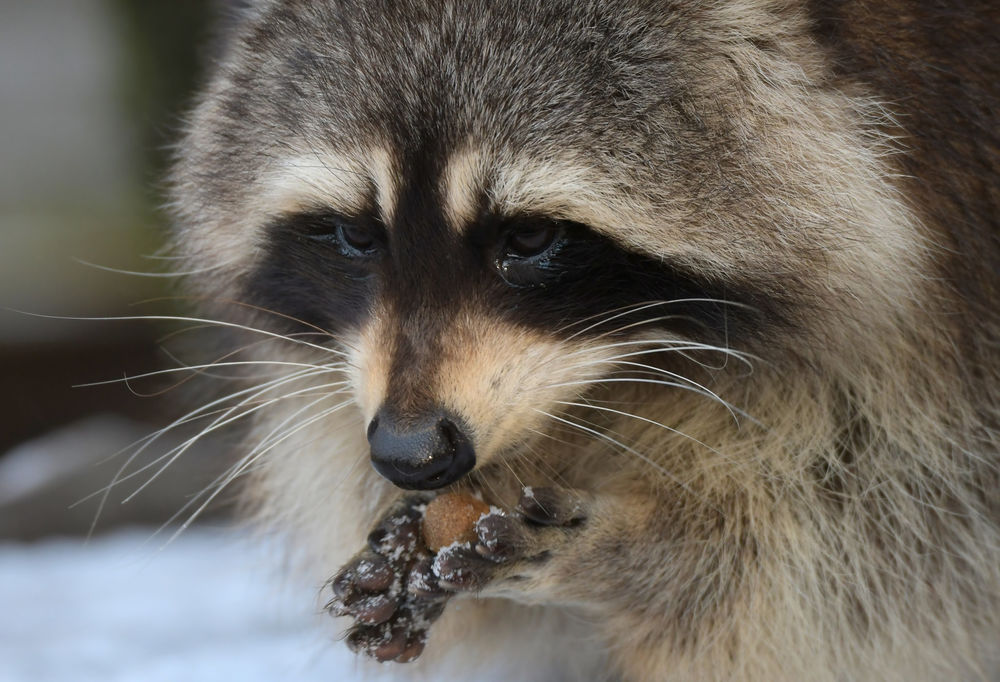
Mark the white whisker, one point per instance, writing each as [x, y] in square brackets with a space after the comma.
[256, 391]
[184, 447]
[134, 273]
[671, 345]
[639, 307]
[188, 368]
[640, 418]
[179, 318]
[687, 488]
[240, 469]
[690, 384]
[659, 382]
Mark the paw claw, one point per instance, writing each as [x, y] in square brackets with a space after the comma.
[370, 609]
[369, 573]
[366, 639]
[373, 574]
[374, 610]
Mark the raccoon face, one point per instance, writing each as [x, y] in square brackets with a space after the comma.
[492, 211]
[466, 327]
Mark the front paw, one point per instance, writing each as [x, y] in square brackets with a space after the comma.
[514, 547]
[388, 588]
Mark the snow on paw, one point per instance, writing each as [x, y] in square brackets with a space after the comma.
[460, 567]
[368, 589]
[397, 536]
[389, 589]
[512, 546]
[400, 639]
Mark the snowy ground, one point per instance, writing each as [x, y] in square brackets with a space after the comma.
[210, 606]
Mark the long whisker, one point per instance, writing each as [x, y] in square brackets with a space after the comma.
[671, 345]
[177, 451]
[659, 382]
[687, 488]
[689, 383]
[682, 351]
[179, 318]
[606, 315]
[134, 273]
[264, 441]
[269, 311]
[643, 419]
[262, 309]
[617, 313]
[242, 468]
[232, 353]
[201, 412]
[639, 307]
[215, 375]
[254, 390]
[188, 368]
[218, 425]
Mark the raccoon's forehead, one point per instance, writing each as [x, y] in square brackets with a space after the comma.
[632, 118]
[466, 184]
[535, 107]
[510, 71]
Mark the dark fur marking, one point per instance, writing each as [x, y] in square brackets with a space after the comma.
[430, 272]
[309, 281]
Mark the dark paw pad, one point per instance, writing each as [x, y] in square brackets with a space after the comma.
[402, 639]
[501, 537]
[398, 536]
[551, 507]
[389, 589]
[367, 589]
[460, 567]
[370, 573]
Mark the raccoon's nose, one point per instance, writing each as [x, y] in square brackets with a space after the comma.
[423, 454]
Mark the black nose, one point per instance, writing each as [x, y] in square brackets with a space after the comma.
[420, 454]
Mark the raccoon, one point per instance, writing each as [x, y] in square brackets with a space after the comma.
[699, 295]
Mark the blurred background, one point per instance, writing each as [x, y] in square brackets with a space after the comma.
[92, 93]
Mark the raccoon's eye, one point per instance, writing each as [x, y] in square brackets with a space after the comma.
[529, 243]
[526, 258]
[357, 238]
[352, 240]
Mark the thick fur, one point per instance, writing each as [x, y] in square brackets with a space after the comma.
[832, 167]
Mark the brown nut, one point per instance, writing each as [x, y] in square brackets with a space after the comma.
[452, 518]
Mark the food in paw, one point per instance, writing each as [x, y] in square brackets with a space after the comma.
[451, 518]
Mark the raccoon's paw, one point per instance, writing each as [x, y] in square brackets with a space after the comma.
[400, 638]
[388, 588]
[513, 547]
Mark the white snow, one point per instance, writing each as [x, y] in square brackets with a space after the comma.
[211, 606]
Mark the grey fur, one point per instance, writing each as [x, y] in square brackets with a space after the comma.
[849, 528]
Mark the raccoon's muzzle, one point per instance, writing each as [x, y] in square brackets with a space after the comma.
[426, 453]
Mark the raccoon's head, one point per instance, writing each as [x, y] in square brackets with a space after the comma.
[492, 207]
